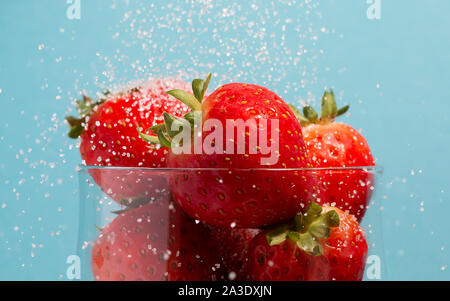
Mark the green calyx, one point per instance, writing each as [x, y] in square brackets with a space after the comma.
[163, 133]
[329, 111]
[85, 107]
[306, 229]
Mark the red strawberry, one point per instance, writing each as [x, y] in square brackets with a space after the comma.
[152, 243]
[321, 245]
[231, 250]
[236, 192]
[109, 137]
[333, 144]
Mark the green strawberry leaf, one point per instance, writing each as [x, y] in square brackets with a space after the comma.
[298, 114]
[148, 138]
[75, 131]
[162, 139]
[342, 110]
[329, 107]
[186, 98]
[310, 113]
[277, 235]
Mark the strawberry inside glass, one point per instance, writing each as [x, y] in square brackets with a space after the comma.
[227, 196]
[150, 212]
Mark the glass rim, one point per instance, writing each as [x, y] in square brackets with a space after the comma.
[376, 169]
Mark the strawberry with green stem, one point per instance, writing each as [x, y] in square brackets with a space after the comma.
[237, 188]
[107, 130]
[333, 144]
[322, 244]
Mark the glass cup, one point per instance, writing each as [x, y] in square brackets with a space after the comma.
[156, 224]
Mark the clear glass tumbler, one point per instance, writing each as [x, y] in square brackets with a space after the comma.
[142, 224]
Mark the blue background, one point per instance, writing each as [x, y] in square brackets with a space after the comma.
[394, 72]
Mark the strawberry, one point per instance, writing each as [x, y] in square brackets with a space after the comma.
[153, 242]
[334, 144]
[107, 129]
[324, 244]
[231, 248]
[245, 187]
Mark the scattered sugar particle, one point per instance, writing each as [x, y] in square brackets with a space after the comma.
[422, 209]
[233, 224]
[16, 228]
[232, 275]
[41, 46]
[84, 245]
[3, 205]
[443, 268]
